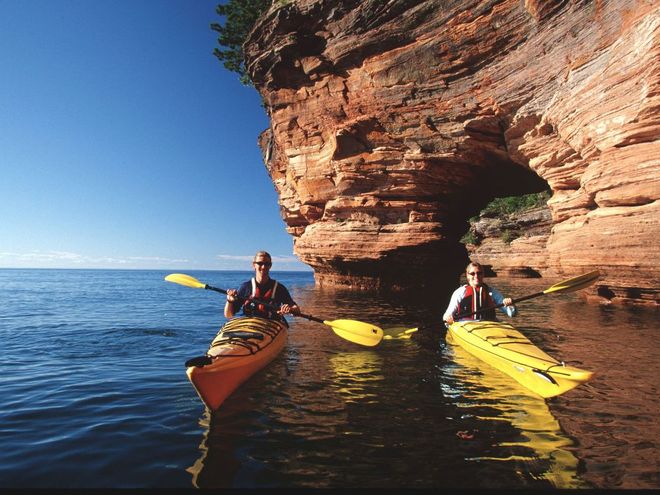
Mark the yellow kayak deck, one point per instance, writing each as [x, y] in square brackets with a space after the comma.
[505, 348]
[242, 347]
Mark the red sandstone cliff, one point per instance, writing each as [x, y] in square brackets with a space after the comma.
[393, 122]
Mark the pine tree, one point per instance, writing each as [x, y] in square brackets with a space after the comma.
[241, 15]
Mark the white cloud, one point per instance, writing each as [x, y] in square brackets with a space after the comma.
[234, 257]
[65, 259]
[42, 257]
[244, 262]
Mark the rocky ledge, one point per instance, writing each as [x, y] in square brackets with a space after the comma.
[393, 123]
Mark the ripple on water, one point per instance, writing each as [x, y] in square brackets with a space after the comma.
[94, 394]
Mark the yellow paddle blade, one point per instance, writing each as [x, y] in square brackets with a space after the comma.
[187, 280]
[357, 331]
[575, 283]
[398, 333]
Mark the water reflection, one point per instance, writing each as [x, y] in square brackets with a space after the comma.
[198, 466]
[356, 375]
[539, 445]
[616, 416]
[414, 413]
[218, 464]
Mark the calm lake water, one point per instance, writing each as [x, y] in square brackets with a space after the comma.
[94, 394]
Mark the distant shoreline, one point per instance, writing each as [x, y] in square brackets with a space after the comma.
[172, 270]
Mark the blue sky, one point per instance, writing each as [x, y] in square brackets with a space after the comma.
[124, 143]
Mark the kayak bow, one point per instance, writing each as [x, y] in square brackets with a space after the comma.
[242, 347]
[505, 348]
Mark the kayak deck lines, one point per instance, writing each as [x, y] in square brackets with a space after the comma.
[520, 339]
[242, 338]
[239, 338]
[251, 342]
[498, 355]
[505, 348]
[553, 362]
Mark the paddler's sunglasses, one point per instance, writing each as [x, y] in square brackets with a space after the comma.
[262, 263]
[475, 273]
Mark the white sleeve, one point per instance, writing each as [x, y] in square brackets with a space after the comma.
[454, 302]
[497, 296]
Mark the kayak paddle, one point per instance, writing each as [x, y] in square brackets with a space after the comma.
[351, 330]
[391, 333]
[570, 285]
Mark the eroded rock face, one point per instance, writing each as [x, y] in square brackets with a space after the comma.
[394, 122]
[512, 245]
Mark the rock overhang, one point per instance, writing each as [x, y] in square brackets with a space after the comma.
[392, 124]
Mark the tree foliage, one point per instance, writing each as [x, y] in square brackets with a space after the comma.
[502, 207]
[241, 15]
[513, 204]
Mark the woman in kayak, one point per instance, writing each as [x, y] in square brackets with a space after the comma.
[263, 288]
[474, 296]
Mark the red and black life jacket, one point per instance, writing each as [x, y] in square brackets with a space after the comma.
[475, 299]
[252, 308]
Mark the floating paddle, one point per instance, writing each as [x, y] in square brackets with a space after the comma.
[570, 285]
[352, 330]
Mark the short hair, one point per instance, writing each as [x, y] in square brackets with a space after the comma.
[475, 265]
[265, 254]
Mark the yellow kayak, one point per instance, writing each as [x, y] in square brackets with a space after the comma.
[505, 348]
[242, 347]
[541, 445]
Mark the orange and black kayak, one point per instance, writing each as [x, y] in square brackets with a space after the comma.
[242, 347]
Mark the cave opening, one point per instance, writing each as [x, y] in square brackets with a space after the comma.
[506, 205]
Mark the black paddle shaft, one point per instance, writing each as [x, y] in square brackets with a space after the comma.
[269, 306]
[513, 301]
[210, 287]
[569, 285]
[313, 318]
[258, 301]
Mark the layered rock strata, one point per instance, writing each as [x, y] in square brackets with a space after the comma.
[512, 245]
[394, 122]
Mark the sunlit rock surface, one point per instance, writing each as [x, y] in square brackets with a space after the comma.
[394, 122]
[512, 245]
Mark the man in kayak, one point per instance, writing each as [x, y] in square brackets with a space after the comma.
[263, 288]
[474, 296]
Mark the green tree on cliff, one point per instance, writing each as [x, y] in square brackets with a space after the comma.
[241, 16]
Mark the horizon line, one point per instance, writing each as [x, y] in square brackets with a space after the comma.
[145, 269]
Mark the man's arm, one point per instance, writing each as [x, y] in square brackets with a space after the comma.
[230, 311]
[288, 305]
[235, 298]
[453, 305]
[508, 308]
